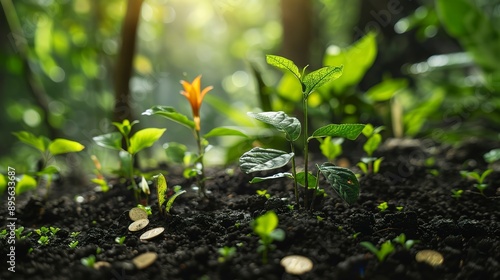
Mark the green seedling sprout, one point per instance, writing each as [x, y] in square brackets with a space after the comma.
[492, 156]
[73, 244]
[142, 139]
[43, 240]
[226, 253]
[407, 244]
[479, 178]
[3, 234]
[263, 193]
[166, 200]
[265, 227]
[399, 208]
[385, 249]
[371, 164]
[457, 194]
[342, 180]
[74, 234]
[383, 206]
[88, 261]
[48, 149]
[331, 148]
[120, 240]
[19, 233]
[146, 209]
[194, 94]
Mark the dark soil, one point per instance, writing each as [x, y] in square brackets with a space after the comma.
[465, 231]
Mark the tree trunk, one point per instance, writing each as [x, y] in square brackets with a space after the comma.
[296, 16]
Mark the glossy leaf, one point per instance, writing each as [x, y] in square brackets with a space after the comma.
[331, 148]
[311, 179]
[171, 114]
[171, 200]
[125, 127]
[282, 122]
[175, 152]
[161, 188]
[40, 143]
[316, 79]
[283, 63]
[144, 138]
[260, 159]
[126, 163]
[349, 131]
[111, 140]
[342, 180]
[386, 90]
[25, 184]
[272, 177]
[224, 131]
[62, 146]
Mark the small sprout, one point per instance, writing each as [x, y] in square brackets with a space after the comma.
[265, 227]
[43, 231]
[399, 208]
[44, 240]
[290, 207]
[98, 250]
[30, 250]
[340, 228]
[479, 178]
[74, 234]
[457, 194]
[355, 235]
[19, 233]
[263, 193]
[383, 206]
[237, 225]
[54, 230]
[319, 218]
[434, 172]
[385, 249]
[407, 244]
[3, 234]
[88, 261]
[120, 240]
[73, 244]
[226, 253]
[161, 185]
[146, 209]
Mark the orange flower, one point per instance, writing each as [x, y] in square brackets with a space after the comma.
[195, 97]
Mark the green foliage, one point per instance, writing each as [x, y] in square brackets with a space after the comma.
[383, 206]
[457, 194]
[331, 148]
[73, 244]
[265, 227]
[120, 240]
[343, 181]
[88, 261]
[478, 177]
[260, 159]
[263, 193]
[385, 249]
[492, 156]
[172, 198]
[290, 126]
[226, 253]
[349, 131]
[43, 240]
[370, 164]
[407, 244]
[161, 186]
[3, 234]
[171, 114]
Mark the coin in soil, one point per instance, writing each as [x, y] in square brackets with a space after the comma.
[296, 265]
[99, 264]
[144, 260]
[152, 233]
[430, 257]
[138, 225]
[137, 213]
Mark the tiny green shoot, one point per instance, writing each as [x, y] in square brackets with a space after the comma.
[383, 206]
[88, 261]
[43, 240]
[74, 234]
[478, 177]
[226, 253]
[407, 244]
[120, 240]
[385, 249]
[165, 198]
[371, 164]
[263, 193]
[399, 208]
[265, 227]
[3, 234]
[457, 194]
[73, 244]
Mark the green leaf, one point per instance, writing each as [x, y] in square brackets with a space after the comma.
[372, 144]
[349, 131]
[386, 89]
[272, 177]
[224, 131]
[283, 63]
[111, 140]
[144, 138]
[357, 59]
[282, 122]
[175, 152]
[49, 170]
[265, 224]
[3, 184]
[331, 148]
[63, 146]
[161, 187]
[311, 179]
[125, 127]
[321, 76]
[172, 199]
[342, 180]
[25, 184]
[492, 156]
[376, 165]
[171, 114]
[260, 159]
[368, 130]
[126, 163]
[40, 143]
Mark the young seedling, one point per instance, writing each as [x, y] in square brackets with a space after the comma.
[88, 261]
[194, 94]
[457, 194]
[331, 148]
[166, 199]
[3, 234]
[492, 156]
[19, 233]
[385, 249]
[407, 244]
[120, 240]
[265, 227]
[48, 149]
[383, 206]
[342, 180]
[371, 164]
[142, 139]
[74, 234]
[479, 178]
[43, 240]
[73, 244]
[226, 253]
[263, 193]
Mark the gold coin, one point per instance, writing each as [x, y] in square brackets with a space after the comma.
[144, 260]
[296, 265]
[99, 264]
[137, 213]
[152, 233]
[138, 225]
[430, 257]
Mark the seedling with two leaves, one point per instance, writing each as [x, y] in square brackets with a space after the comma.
[142, 139]
[342, 180]
[371, 164]
[166, 198]
[478, 177]
[387, 247]
[265, 227]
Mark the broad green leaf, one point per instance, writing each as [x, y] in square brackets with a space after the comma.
[311, 179]
[492, 156]
[321, 76]
[349, 131]
[171, 200]
[282, 122]
[386, 90]
[49, 170]
[376, 165]
[40, 143]
[372, 144]
[175, 152]
[265, 224]
[342, 180]
[25, 184]
[283, 63]
[224, 131]
[272, 177]
[126, 160]
[331, 148]
[171, 114]
[63, 146]
[144, 138]
[484, 175]
[111, 140]
[3, 184]
[125, 127]
[161, 187]
[357, 59]
[260, 159]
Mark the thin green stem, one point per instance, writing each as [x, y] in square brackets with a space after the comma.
[294, 173]
[306, 151]
[201, 177]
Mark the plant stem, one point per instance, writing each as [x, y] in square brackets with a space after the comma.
[294, 173]
[306, 152]
[201, 181]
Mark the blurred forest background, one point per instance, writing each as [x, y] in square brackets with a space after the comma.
[69, 68]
